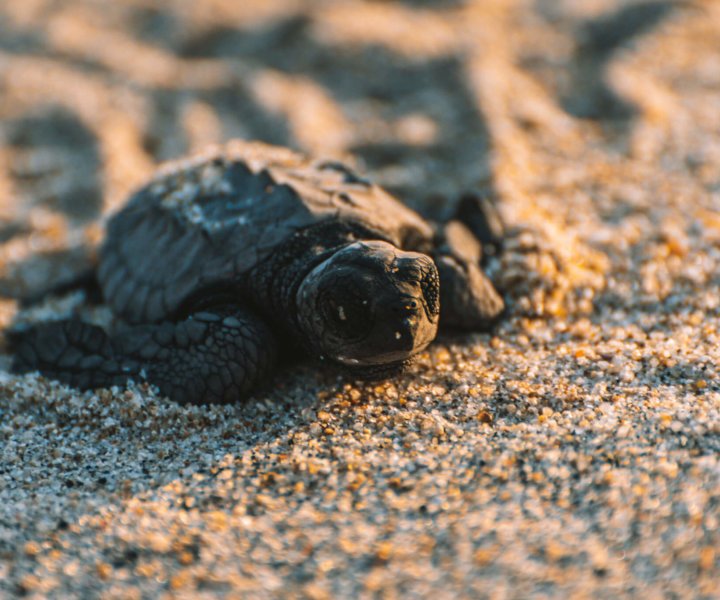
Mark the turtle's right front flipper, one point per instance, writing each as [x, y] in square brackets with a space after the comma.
[468, 299]
[209, 357]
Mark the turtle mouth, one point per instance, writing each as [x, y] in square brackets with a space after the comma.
[375, 372]
[376, 360]
[349, 362]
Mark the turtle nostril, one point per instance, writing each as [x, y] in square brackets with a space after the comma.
[405, 307]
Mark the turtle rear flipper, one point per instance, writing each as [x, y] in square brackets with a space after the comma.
[209, 357]
[85, 281]
[50, 273]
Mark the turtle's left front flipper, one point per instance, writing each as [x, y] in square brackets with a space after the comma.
[77, 353]
[209, 357]
[468, 299]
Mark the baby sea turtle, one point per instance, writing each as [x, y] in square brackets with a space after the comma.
[226, 260]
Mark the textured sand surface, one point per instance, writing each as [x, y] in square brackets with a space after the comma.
[573, 453]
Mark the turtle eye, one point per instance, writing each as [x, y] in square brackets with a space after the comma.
[410, 274]
[348, 314]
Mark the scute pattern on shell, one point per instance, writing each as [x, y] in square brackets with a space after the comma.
[215, 216]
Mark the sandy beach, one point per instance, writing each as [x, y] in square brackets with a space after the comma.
[574, 452]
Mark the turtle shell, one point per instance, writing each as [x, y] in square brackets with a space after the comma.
[215, 216]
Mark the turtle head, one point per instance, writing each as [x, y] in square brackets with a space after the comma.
[370, 305]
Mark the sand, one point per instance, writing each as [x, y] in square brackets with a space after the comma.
[573, 452]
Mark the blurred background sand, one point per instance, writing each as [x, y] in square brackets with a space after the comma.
[572, 453]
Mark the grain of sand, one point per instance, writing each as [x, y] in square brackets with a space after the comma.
[571, 453]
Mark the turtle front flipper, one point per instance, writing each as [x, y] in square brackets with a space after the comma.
[209, 357]
[480, 214]
[214, 356]
[468, 299]
[70, 351]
